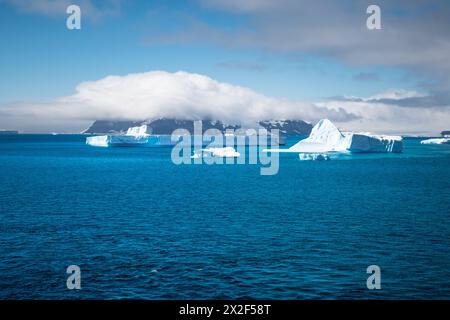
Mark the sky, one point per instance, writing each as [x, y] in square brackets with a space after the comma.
[230, 60]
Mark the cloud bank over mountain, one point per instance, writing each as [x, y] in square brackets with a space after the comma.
[158, 94]
[192, 96]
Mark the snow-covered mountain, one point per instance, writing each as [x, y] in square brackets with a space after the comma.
[288, 127]
[111, 127]
[167, 126]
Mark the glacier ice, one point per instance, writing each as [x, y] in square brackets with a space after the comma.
[436, 141]
[325, 137]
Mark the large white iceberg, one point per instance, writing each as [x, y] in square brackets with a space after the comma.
[325, 137]
[436, 141]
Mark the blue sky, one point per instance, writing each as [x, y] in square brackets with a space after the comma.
[42, 59]
[313, 59]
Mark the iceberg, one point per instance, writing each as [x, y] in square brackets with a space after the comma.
[326, 137]
[142, 136]
[436, 141]
[134, 136]
[138, 131]
[120, 141]
[98, 141]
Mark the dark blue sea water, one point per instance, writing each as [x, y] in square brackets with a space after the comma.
[141, 227]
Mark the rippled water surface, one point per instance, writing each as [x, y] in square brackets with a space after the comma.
[141, 227]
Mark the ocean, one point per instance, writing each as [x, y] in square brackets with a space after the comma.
[141, 227]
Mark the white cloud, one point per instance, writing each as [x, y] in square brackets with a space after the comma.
[157, 94]
[394, 94]
[389, 112]
[185, 95]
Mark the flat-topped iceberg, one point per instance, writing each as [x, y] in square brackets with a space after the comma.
[326, 137]
[98, 141]
[143, 136]
[134, 136]
[436, 141]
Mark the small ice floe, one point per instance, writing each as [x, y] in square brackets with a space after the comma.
[436, 141]
[313, 157]
[227, 152]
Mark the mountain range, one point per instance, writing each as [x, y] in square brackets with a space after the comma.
[167, 126]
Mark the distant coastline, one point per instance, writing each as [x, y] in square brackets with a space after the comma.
[8, 132]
